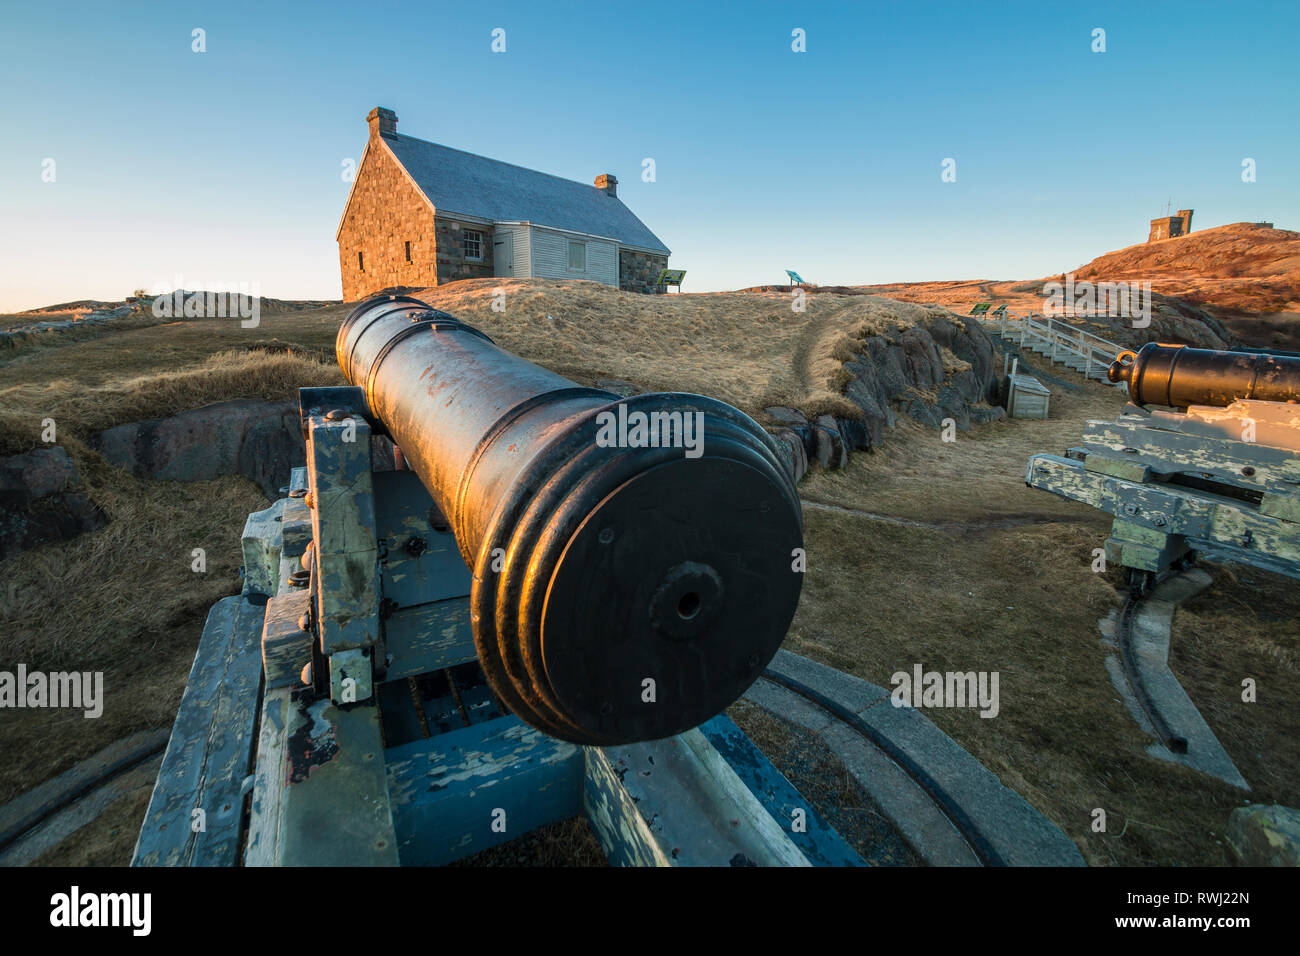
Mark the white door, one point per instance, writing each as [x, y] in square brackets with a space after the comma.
[503, 254]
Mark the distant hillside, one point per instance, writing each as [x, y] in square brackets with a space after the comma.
[82, 306]
[1236, 285]
[1243, 267]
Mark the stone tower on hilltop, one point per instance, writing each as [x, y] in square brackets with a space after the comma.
[1167, 227]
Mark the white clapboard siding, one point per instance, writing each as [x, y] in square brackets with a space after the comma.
[549, 257]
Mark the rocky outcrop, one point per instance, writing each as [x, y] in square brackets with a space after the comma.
[1265, 835]
[39, 497]
[946, 370]
[1177, 320]
[1171, 320]
[37, 332]
[259, 440]
[40, 502]
[793, 452]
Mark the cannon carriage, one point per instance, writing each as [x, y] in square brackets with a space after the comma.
[1205, 458]
[1204, 462]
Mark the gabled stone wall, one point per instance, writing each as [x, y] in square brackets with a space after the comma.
[386, 212]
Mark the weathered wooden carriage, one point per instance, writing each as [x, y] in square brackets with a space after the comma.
[1213, 466]
[1204, 463]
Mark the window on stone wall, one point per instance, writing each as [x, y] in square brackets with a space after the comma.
[471, 243]
[577, 256]
[361, 262]
[408, 250]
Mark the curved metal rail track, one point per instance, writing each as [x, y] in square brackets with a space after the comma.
[27, 812]
[946, 803]
[1176, 742]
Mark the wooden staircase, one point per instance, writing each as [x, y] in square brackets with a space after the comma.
[1062, 343]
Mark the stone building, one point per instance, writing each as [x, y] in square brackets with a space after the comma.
[420, 214]
[1167, 227]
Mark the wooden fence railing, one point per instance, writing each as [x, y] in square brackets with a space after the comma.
[1060, 341]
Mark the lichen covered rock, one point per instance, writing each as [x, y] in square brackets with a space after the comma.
[1265, 835]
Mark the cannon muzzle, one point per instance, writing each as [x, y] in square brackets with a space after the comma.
[632, 559]
[1179, 376]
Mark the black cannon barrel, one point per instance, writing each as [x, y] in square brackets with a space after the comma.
[1179, 376]
[632, 559]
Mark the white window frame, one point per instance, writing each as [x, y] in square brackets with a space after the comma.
[578, 243]
[465, 235]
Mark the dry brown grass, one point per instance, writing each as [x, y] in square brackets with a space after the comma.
[1243, 626]
[79, 409]
[108, 840]
[749, 349]
[985, 467]
[18, 320]
[122, 600]
[1241, 266]
[41, 340]
[118, 351]
[1245, 275]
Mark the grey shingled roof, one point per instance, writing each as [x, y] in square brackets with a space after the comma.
[460, 182]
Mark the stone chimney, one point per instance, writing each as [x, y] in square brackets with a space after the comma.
[382, 121]
[608, 184]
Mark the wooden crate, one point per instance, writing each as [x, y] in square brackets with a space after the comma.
[1027, 397]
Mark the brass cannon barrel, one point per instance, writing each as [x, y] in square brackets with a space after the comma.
[632, 558]
[1179, 376]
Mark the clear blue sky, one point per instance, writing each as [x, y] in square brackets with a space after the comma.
[225, 166]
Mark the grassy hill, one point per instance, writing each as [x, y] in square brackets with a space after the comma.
[750, 349]
[1244, 267]
[1242, 278]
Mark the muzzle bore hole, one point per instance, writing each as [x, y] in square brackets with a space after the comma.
[688, 606]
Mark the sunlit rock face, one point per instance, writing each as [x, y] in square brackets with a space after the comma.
[933, 373]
